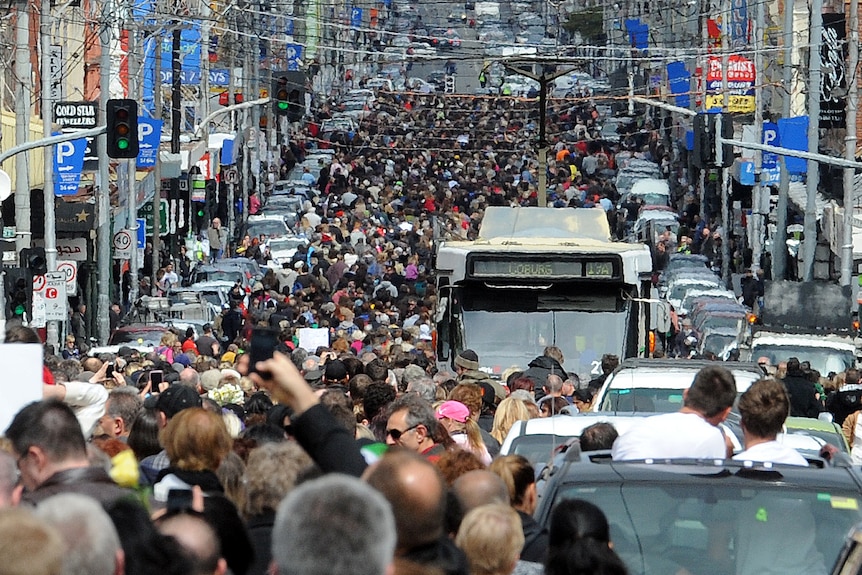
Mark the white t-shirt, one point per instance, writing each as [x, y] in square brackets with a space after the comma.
[774, 452]
[670, 436]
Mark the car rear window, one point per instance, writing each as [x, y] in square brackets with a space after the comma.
[751, 529]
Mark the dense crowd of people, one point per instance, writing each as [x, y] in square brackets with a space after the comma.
[357, 456]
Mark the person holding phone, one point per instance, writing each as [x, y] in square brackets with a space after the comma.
[326, 440]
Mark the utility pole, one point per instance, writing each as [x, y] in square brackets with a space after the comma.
[157, 171]
[726, 219]
[50, 235]
[850, 142]
[23, 89]
[759, 195]
[176, 120]
[132, 222]
[103, 197]
[809, 245]
[544, 80]
[779, 243]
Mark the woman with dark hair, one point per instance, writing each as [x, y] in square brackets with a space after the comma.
[144, 435]
[580, 543]
[520, 479]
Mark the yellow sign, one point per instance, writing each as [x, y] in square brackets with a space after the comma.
[735, 104]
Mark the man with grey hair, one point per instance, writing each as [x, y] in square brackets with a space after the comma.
[335, 525]
[121, 410]
[91, 540]
[423, 386]
[191, 378]
[413, 425]
[480, 487]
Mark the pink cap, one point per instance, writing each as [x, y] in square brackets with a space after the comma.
[454, 410]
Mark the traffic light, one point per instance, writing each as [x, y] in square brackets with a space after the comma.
[280, 102]
[122, 132]
[704, 152]
[288, 95]
[297, 105]
[199, 212]
[18, 287]
[34, 260]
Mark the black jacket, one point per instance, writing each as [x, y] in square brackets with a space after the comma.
[539, 370]
[443, 555]
[803, 398]
[328, 442]
[91, 481]
[535, 539]
[260, 533]
[844, 402]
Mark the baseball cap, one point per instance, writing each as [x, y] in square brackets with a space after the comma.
[335, 370]
[454, 410]
[177, 398]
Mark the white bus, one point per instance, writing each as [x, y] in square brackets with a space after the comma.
[537, 277]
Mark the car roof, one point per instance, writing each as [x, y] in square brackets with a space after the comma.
[647, 373]
[565, 426]
[588, 467]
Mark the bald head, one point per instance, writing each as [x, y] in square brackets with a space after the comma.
[480, 487]
[417, 494]
[191, 378]
[198, 539]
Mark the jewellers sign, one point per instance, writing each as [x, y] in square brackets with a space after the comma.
[79, 115]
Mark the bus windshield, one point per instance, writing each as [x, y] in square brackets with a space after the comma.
[505, 339]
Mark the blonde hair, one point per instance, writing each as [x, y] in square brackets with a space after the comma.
[508, 412]
[492, 538]
[168, 339]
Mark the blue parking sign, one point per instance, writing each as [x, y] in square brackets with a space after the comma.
[149, 136]
[68, 163]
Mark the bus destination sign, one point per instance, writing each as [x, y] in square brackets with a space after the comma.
[522, 268]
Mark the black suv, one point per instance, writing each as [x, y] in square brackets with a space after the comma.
[713, 517]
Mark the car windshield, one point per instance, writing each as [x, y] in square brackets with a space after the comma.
[678, 290]
[823, 359]
[232, 276]
[212, 298]
[642, 399]
[285, 244]
[654, 199]
[744, 528]
[503, 339]
[144, 337]
[267, 227]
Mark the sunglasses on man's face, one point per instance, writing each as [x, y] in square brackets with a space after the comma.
[396, 434]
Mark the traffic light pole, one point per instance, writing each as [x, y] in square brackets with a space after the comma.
[226, 110]
[50, 232]
[103, 197]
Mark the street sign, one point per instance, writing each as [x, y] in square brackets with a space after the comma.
[54, 295]
[149, 136]
[123, 245]
[70, 272]
[140, 233]
[68, 163]
[230, 176]
[146, 212]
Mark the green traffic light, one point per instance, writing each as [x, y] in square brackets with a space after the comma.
[283, 105]
[200, 213]
[20, 309]
[123, 144]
